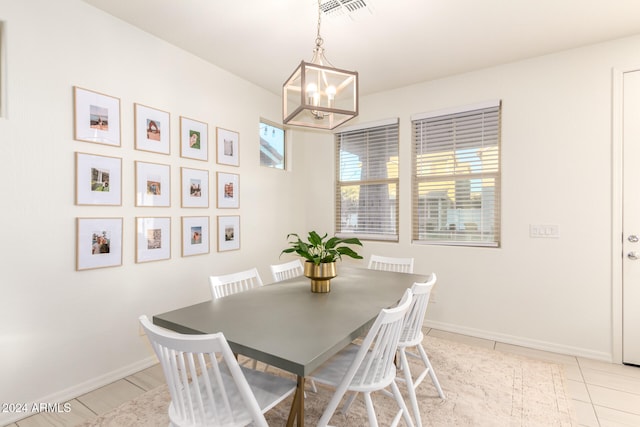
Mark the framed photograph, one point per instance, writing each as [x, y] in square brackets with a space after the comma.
[194, 139]
[98, 243]
[153, 187]
[228, 144]
[272, 145]
[228, 190]
[153, 239]
[98, 180]
[152, 129]
[96, 116]
[228, 233]
[195, 235]
[195, 188]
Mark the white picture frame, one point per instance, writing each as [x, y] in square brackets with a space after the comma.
[228, 233]
[228, 185]
[96, 117]
[153, 239]
[195, 235]
[194, 139]
[228, 147]
[153, 184]
[98, 180]
[194, 184]
[152, 129]
[98, 243]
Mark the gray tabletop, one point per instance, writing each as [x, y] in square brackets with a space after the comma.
[286, 325]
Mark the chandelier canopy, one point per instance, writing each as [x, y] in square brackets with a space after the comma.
[317, 94]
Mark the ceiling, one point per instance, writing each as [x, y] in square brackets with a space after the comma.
[400, 43]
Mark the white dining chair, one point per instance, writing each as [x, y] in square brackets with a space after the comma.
[229, 284]
[206, 384]
[368, 367]
[233, 283]
[287, 270]
[385, 263]
[411, 337]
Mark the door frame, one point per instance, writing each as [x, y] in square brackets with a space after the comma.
[617, 201]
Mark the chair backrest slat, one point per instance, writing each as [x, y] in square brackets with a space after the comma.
[414, 320]
[229, 284]
[287, 270]
[385, 263]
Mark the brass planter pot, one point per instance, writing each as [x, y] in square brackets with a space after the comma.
[320, 275]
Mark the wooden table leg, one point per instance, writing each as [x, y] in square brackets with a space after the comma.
[297, 407]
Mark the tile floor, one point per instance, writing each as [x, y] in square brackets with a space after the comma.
[604, 394]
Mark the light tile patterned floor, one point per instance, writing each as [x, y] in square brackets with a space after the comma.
[604, 394]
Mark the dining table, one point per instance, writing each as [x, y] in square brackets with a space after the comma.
[287, 326]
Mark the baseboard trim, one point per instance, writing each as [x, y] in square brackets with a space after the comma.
[524, 342]
[85, 387]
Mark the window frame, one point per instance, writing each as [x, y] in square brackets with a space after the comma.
[393, 125]
[443, 177]
[272, 124]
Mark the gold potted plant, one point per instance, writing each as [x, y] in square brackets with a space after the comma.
[321, 254]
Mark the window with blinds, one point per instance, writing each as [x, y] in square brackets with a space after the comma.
[456, 176]
[367, 181]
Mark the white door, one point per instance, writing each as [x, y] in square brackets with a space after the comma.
[631, 219]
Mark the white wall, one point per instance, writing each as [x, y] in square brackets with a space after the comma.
[553, 294]
[63, 332]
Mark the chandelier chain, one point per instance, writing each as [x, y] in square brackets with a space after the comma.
[319, 40]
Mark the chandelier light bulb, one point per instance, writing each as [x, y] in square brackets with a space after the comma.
[331, 94]
[312, 94]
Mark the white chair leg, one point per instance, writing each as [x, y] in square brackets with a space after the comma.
[411, 389]
[332, 406]
[432, 373]
[349, 401]
[371, 412]
[401, 404]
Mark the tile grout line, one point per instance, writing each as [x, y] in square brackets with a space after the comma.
[83, 404]
[132, 383]
[584, 381]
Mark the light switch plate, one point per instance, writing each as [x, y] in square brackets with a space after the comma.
[544, 230]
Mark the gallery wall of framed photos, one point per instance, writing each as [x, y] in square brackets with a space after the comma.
[69, 279]
[201, 178]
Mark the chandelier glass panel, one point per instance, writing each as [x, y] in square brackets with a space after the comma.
[319, 95]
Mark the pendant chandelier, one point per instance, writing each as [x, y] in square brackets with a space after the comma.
[317, 94]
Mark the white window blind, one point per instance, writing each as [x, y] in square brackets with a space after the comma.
[367, 182]
[456, 177]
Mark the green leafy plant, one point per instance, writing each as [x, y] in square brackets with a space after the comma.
[320, 249]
